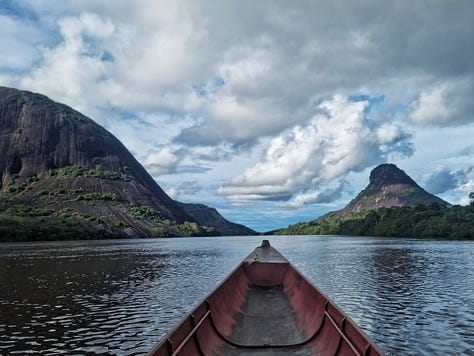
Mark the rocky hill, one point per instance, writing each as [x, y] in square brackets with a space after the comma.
[391, 205]
[389, 186]
[64, 176]
[207, 216]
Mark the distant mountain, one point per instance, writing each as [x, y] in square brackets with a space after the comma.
[63, 176]
[391, 205]
[207, 216]
[389, 186]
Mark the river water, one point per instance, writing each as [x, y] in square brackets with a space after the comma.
[412, 297]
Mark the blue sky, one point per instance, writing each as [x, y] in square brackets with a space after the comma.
[273, 112]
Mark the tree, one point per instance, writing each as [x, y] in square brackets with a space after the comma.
[471, 197]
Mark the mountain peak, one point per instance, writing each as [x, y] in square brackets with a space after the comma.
[389, 174]
[389, 186]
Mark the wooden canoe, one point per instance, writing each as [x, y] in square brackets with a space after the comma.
[266, 307]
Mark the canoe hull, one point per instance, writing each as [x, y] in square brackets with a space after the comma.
[266, 307]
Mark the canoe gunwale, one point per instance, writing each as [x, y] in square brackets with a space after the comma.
[166, 339]
[208, 314]
[346, 318]
[193, 331]
[204, 310]
[346, 339]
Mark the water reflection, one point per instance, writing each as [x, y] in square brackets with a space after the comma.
[96, 299]
[411, 296]
[120, 297]
[416, 291]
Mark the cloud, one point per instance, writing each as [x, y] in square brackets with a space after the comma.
[326, 196]
[335, 142]
[184, 189]
[467, 151]
[131, 63]
[172, 192]
[466, 189]
[73, 71]
[443, 180]
[222, 152]
[444, 104]
[256, 74]
[238, 121]
[163, 161]
[18, 50]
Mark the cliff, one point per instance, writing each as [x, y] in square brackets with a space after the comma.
[64, 176]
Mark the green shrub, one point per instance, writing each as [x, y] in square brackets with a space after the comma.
[27, 210]
[59, 191]
[15, 189]
[31, 179]
[76, 171]
[97, 197]
[145, 212]
[159, 231]
[40, 228]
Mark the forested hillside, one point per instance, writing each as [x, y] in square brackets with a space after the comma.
[433, 220]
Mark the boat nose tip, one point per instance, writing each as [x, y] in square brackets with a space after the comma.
[265, 243]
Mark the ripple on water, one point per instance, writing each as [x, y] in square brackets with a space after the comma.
[412, 297]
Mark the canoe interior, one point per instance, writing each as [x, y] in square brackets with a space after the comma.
[265, 307]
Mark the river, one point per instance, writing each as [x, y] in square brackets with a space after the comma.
[411, 296]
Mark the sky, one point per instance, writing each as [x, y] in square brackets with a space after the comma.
[274, 112]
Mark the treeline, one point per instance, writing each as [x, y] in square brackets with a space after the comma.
[51, 228]
[29, 223]
[433, 220]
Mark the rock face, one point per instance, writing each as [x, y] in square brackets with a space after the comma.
[55, 159]
[389, 186]
[38, 134]
[207, 216]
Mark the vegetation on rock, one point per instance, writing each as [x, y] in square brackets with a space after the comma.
[77, 171]
[27, 223]
[62, 176]
[169, 228]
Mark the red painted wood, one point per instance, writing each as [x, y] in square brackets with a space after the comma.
[219, 324]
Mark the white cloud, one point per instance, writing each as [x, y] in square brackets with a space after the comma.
[465, 189]
[443, 179]
[72, 71]
[331, 145]
[251, 75]
[184, 190]
[444, 104]
[172, 192]
[431, 107]
[328, 195]
[17, 50]
[163, 161]
[388, 134]
[133, 63]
